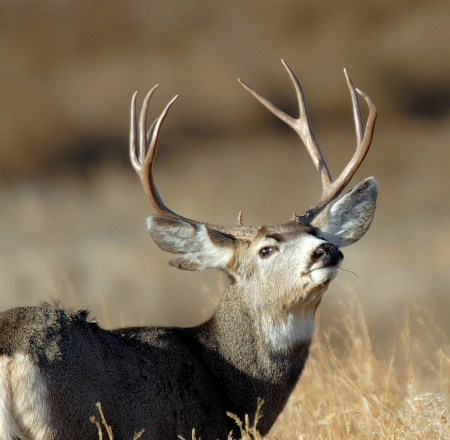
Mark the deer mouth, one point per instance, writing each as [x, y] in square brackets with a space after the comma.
[315, 283]
[323, 276]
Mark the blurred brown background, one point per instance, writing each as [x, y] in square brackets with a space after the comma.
[72, 209]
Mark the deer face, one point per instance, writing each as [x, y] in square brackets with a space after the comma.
[296, 255]
[289, 263]
[286, 271]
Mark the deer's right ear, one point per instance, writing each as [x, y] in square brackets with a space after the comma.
[201, 248]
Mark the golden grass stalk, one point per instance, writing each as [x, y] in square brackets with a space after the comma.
[107, 427]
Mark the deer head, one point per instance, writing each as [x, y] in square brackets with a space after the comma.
[279, 272]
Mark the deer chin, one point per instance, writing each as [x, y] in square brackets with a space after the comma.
[321, 277]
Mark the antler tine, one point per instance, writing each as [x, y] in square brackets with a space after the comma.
[301, 125]
[357, 115]
[143, 154]
[133, 135]
[361, 150]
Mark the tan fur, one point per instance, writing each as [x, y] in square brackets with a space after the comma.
[9, 429]
[24, 412]
[29, 402]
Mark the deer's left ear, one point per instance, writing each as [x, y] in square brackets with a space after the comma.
[348, 218]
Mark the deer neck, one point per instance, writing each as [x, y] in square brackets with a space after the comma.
[242, 353]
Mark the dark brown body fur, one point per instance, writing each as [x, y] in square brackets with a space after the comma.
[135, 372]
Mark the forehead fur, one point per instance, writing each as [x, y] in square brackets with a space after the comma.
[282, 232]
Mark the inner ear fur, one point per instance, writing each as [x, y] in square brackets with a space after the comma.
[348, 218]
[200, 248]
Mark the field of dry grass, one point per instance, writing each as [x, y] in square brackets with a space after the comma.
[72, 211]
[361, 392]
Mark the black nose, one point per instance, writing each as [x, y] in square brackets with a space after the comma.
[329, 254]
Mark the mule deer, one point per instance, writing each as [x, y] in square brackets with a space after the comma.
[55, 364]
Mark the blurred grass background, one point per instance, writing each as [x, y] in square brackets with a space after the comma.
[72, 209]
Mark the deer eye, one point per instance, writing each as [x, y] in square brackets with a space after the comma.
[265, 252]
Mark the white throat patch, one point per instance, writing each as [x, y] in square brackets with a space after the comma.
[298, 326]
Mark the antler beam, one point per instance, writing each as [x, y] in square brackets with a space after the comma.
[302, 126]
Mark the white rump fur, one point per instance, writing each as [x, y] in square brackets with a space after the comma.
[347, 219]
[24, 412]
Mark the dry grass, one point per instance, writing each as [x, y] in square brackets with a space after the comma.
[108, 429]
[247, 429]
[352, 390]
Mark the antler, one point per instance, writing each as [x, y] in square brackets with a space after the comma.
[142, 155]
[302, 126]
[148, 143]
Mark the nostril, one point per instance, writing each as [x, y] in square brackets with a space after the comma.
[319, 252]
[329, 254]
